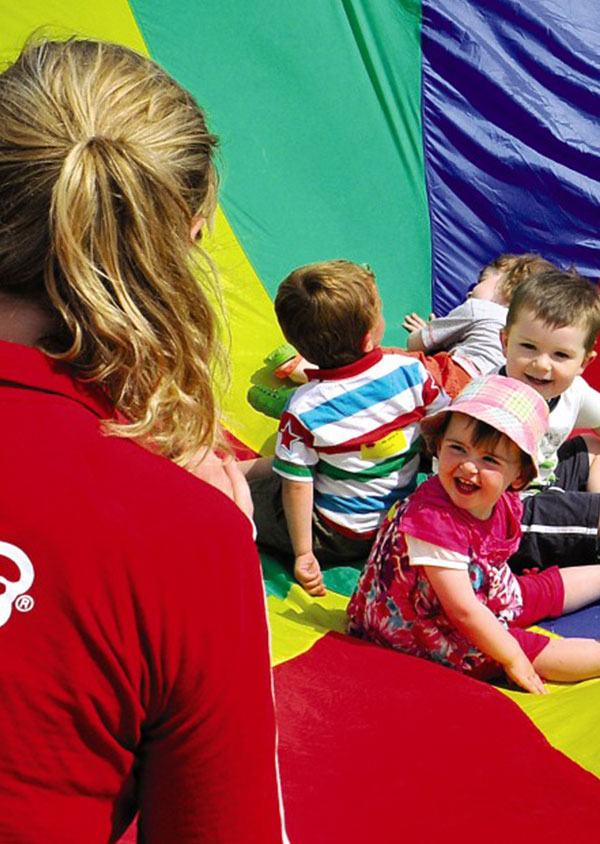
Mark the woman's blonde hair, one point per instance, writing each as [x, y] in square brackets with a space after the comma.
[105, 161]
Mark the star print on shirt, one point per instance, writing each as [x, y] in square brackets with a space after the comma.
[288, 437]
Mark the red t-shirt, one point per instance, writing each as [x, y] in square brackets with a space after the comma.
[135, 668]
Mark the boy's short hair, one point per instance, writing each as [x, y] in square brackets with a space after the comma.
[326, 309]
[559, 298]
[514, 269]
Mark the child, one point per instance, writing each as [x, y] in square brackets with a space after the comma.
[466, 342]
[118, 694]
[348, 444]
[437, 584]
[550, 332]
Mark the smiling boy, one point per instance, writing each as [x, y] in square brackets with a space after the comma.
[551, 328]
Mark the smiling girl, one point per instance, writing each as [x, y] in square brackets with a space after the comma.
[437, 584]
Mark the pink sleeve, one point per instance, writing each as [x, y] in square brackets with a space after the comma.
[437, 526]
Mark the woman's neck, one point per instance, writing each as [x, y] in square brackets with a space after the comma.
[23, 321]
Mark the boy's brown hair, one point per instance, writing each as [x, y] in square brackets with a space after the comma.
[514, 269]
[559, 298]
[326, 309]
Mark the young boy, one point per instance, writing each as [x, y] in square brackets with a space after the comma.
[348, 444]
[552, 324]
[466, 344]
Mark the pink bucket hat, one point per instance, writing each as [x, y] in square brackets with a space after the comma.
[508, 405]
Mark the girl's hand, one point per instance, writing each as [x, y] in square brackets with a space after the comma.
[521, 671]
[480, 626]
[224, 474]
[240, 491]
[209, 467]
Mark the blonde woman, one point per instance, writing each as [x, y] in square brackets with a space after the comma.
[127, 683]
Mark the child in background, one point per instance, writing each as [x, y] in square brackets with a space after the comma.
[437, 584]
[466, 342]
[551, 328]
[348, 444]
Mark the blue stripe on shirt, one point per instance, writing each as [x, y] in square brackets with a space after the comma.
[368, 504]
[380, 389]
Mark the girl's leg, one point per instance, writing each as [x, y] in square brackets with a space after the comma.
[582, 586]
[568, 660]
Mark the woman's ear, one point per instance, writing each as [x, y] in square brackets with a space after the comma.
[196, 228]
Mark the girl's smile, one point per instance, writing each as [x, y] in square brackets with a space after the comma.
[475, 476]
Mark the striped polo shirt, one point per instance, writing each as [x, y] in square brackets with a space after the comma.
[354, 432]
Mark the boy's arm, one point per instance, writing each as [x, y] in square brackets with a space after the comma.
[297, 497]
[414, 324]
[480, 626]
[445, 332]
[414, 341]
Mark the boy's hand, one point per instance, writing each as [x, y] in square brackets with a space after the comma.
[413, 322]
[307, 572]
[521, 671]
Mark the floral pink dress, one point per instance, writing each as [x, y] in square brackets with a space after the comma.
[394, 604]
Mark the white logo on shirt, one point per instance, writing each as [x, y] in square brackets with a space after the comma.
[14, 588]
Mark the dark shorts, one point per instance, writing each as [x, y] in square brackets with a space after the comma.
[560, 524]
[329, 545]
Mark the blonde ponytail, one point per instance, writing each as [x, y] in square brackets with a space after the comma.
[104, 162]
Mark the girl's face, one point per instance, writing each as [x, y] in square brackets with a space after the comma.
[475, 476]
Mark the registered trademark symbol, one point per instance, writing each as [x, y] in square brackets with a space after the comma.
[24, 603]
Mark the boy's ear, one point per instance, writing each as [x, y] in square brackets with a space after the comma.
[589, 358]
[503, 340]
[367, 343]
